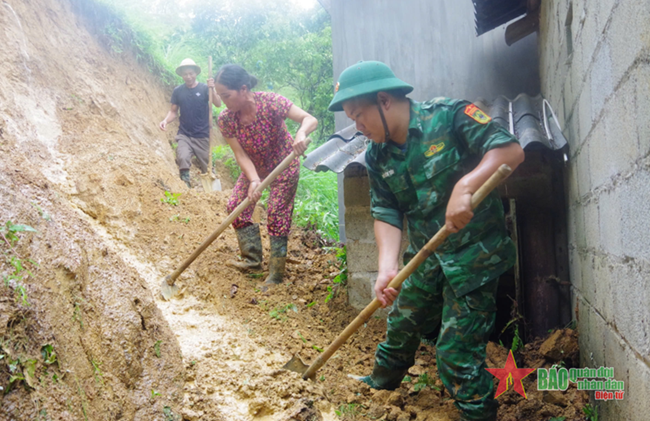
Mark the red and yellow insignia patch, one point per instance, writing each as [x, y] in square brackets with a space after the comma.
[336, 88]
[474, 112]
[434, 149]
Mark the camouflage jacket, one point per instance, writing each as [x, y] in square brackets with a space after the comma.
[446, 140]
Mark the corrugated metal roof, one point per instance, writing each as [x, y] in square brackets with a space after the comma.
[491, 13]
[530, 119]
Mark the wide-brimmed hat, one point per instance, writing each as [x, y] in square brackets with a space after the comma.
[365, 77]
[188, 62]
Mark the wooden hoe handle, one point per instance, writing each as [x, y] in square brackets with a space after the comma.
[499, 175]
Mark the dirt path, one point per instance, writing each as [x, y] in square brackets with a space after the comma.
[230, 376]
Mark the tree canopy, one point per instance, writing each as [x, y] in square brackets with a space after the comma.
[288, 48]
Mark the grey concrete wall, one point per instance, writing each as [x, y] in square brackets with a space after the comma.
[602, 92]
[431, 44]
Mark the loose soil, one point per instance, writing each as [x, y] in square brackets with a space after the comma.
[84, 163]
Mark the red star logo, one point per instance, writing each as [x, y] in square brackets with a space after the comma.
[510, 375]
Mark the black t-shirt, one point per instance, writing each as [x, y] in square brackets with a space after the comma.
[194, 108]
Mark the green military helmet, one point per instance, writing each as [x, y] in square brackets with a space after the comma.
[365, 77]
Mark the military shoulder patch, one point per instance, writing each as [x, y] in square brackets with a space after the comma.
[474, 112]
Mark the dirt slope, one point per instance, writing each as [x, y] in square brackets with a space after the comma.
[63, 140]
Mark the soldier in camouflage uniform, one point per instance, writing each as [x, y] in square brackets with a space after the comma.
[425, 162]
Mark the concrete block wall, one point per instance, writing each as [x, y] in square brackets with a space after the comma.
[361, 245]
[595, 71]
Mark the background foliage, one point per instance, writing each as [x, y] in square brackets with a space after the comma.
[288, 48]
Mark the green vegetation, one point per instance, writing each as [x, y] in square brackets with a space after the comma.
[97, 372]
[49, 356]
[224, 154]
[169, 414]
[423, 381]
[342, 278]
[317, 203]
[288, 49]
[279, 313]
[156, 348]
[171, 198]
[557, 419]
[591, 412]
[9, 233]
[351, 409]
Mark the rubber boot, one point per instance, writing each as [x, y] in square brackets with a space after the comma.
[383, 378]
[250, 247]
[185, 176]
[277, 261]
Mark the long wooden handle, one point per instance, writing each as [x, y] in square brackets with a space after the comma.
[210, 117]
[499, 175]
[233, 215]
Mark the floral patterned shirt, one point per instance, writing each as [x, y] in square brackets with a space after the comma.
[267, 140]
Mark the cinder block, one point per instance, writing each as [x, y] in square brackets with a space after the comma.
[617, 355]
[362, 256]
[621, 134]
[610, 222]
[359, 225]
[584, 171]
[602, 81]
[589, 36]
[602, 282]
[575, 269]
[642, 82]
[360, 288]
[599, 150]
[356, 191]
[630, 305]
[361, 292]
[628, 34]
[635, 215]
[579, 218]
[572, 224]
[637, 390]
[595, 343]
[592, 225]
[585, 114]
[587, 271]
[603, 12]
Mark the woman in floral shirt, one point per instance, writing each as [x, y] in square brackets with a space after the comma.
[253, 125]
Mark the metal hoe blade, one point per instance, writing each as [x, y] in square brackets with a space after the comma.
[167, 289]
[297, 365]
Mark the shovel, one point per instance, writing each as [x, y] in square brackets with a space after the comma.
[207, 177]
[168, 289]
[308, 372]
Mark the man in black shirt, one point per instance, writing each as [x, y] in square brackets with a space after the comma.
[193, 136]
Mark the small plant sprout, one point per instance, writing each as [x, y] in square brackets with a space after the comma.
[423, 381]
[49, 356]
[591, 412]
[99, 376]
[171, 198]
[279, 313]
[156, 348]
[154, 394]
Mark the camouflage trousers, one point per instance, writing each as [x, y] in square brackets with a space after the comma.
[462, 326]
